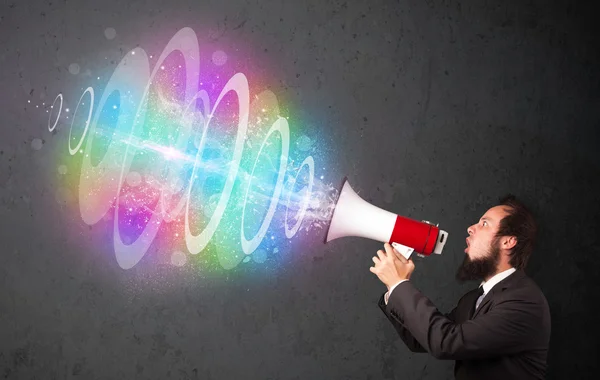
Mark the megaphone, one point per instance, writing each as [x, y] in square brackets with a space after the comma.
[353, 216]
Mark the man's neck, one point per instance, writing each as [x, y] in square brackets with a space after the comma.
[499, 269]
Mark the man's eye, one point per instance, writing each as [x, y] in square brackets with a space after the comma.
[484, 222]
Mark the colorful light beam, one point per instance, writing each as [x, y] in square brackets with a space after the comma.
[164, 163]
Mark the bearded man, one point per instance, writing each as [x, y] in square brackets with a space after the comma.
[501, 330]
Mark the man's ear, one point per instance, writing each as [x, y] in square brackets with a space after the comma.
[509, 242]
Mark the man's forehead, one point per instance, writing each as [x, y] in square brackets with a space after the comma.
[494, 214]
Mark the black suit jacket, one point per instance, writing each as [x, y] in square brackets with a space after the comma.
[507, 337]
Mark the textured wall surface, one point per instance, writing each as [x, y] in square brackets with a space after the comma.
[433, 109]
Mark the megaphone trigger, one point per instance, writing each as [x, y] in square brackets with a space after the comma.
[403, 250]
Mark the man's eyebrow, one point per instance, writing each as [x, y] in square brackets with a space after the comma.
[487, 219]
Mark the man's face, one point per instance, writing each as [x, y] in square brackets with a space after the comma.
[483, 248]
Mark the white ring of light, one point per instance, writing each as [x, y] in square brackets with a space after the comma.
[281, 126]
[184, 41]
[59, 111]
[87, 122]
[310, 162]
[196, 243]
[171, 215]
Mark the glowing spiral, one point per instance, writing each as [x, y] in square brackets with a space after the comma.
[101, 183]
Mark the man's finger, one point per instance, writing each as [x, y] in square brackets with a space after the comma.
[376, 260]
[373, 270]
[388, 248]
[381, 254]
[389, 251]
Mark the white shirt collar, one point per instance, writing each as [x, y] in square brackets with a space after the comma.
[488, 285]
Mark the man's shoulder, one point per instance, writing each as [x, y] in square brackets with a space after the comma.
[522, 287]
[526, 296]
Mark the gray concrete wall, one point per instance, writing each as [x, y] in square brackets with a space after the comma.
[432, 109]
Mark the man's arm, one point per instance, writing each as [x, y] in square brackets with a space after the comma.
[403, 332]
[504, 330]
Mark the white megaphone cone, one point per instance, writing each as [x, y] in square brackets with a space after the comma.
[354, 216]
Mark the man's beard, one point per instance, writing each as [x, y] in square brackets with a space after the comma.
[480, 268]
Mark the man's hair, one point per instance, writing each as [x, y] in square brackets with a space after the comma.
[519, 223]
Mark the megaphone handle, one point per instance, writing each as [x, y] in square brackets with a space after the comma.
[403, 250]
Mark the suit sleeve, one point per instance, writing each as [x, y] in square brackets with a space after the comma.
[408, 339]
[504, 330]
[402, 331]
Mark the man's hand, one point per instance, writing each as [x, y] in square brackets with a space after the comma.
[391, 267]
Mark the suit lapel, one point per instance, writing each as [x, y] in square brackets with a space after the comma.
[487, 299]
[499, 288]
[471, 302]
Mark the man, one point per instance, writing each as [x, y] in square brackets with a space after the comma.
[500, 330]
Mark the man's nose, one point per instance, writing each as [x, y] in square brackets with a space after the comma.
[470, 230]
